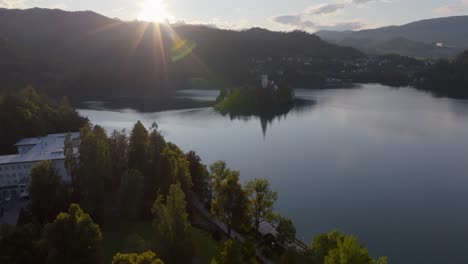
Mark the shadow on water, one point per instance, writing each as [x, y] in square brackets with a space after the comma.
[300, 105]
[146, 105]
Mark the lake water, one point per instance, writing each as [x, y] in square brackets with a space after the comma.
[388, 165]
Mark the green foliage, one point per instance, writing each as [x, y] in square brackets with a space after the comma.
[204, 245]
[147, 257]
[381, 260]
[119, 157]
[348, 251]
[324, 243]
[28, 114]
[200, 176]
[71, 162]
[73, 238]
[336, 248]
[447, 78]
[153, 176]
[286, 230]
[255, 101]
[131, 194]
[172, 226]
[21, 244]
[262, 200]
[175, 168]
[234, 252]
[292, 256]
[95, 171]
[136, 244]
[230, 203]
[47, 192]
[138, 147]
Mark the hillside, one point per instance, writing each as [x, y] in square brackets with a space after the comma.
[84, 53]
[446, 78]
[418, 39]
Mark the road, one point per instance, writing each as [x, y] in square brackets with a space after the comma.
[234, 235]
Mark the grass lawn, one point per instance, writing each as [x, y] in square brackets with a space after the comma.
[205, 246]
[116, 235]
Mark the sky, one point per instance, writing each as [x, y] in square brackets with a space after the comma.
[309, 15]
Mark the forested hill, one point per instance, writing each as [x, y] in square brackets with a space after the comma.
[417, 39]
[84, 53]
[446, 78]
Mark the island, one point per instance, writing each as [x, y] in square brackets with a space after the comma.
[268, 99]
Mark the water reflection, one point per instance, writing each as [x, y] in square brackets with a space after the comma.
[300, 105]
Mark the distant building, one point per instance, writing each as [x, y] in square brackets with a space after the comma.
[15, 169]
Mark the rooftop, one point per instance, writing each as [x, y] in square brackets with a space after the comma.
[49, 147]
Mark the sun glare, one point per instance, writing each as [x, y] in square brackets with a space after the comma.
[153, 11]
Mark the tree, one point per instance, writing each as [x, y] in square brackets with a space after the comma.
[28, 114]
[219, 170]
[172, 226]
[73, 238]
[144, 258]
[71, 164]
[293, 256]
[136, 244]
[348, 251]
[47, 193]
[119, 157]
[337, 248]
[153, 176]
[175, 168]
[234, 252]
[230, 203]
[95, 171]
[262, 199]
[200, 176]
[138, 147]
[323, 243]
[20, 244]
[131, 194]
[286, 230]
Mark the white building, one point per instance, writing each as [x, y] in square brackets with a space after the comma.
[15, 169]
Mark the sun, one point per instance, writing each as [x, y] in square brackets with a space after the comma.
[153, 11]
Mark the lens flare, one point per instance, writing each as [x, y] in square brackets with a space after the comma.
[153, 11]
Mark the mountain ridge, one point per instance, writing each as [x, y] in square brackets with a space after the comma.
[448, 36]
[87, 52]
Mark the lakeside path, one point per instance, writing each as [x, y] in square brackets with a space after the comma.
[234, 235]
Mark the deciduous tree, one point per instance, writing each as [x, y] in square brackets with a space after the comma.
[144, 258]
[71, 162]
[262, 200]
[173, 227]
[230, 203]
[200, 176]
[47, 192]
[234, 252]
[95, 171]
[73, 238]
[286, 230]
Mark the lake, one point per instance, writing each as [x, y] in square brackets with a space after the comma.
[388, 165]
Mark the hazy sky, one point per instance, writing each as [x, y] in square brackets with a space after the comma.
[309, 15]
